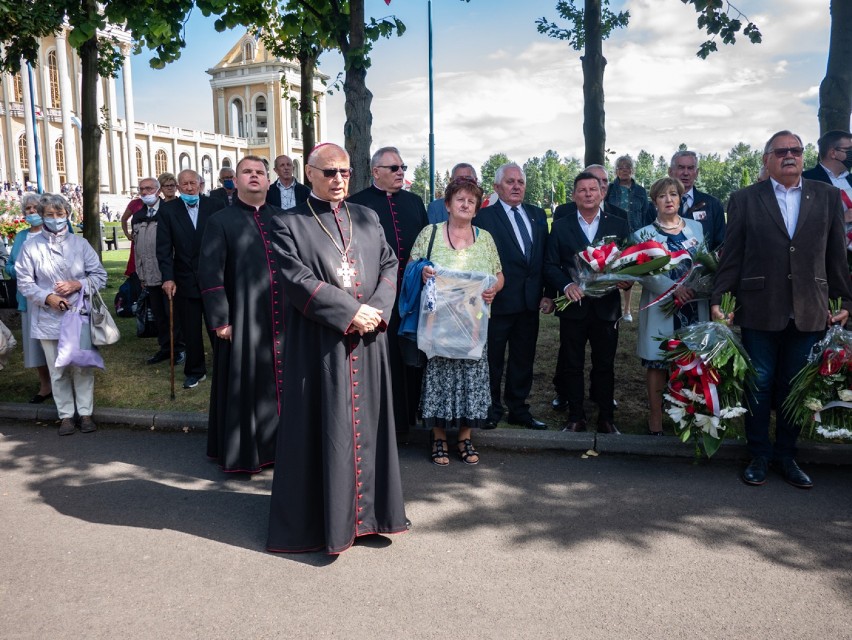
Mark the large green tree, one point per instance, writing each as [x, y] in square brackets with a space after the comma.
[835, 90]
[487, 170]
[589, 26]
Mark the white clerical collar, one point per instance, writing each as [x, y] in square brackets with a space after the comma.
[331, 203]
[831, 174]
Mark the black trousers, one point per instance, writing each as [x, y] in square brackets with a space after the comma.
[602, 335]
[160, 308]
[518, 332]
[190, 311]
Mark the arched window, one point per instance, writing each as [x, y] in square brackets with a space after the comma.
[161, 162]
[260, 117]
[237, 120]
[295, 123]
[139, 169]
[207, 170]
[248, 51]
[59, 149]
[226, 162]
[185, 162]
[53, 74]
[22, 153]
[18, 88]
[297, 170]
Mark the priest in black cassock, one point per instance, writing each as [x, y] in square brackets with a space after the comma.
[341, 478]
[402, 215]
[240, 288]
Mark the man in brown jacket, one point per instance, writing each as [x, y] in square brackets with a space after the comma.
[784, 257]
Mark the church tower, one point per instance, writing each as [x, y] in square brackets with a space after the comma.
[252, 93]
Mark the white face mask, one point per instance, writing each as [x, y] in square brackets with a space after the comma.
[150, 199]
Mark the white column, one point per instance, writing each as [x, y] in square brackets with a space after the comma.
[248, 121]
[49, 169]
[175, 158]
[129, 119]
[66, 99]
[105, 185]
[28, 123]
[119, 179]
[223, 121]
[270, 121]
[11, 143]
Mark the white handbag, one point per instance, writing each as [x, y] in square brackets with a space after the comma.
[104, 330]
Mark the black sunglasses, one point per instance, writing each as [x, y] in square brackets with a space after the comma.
[393, 167]
[330, 173]
[782, 153]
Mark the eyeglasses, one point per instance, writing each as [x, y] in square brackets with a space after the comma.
[393, 167]
[330, 173]
[796, 152]
[168, 186]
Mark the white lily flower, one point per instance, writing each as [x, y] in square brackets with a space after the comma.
[708, 424]
[813, 404]
[845, 395]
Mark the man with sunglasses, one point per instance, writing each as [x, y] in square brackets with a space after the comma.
[784, 258]
[402, 215]
[835, 160]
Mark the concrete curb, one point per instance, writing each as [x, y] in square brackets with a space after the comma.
[512, 439]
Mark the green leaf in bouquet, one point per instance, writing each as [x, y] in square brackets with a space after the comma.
[645, 268]
[711, 444]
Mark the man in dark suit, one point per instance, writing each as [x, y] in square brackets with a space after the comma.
[286, 192]
[570, 208]
[835, 160]
[179, 232]
[591, 320]
[784, 258]
[227, 193]
[520, 234]
[695, 204]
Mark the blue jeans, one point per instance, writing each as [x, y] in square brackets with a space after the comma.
[777, 357]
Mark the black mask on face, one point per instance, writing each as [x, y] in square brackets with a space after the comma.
[847, 161]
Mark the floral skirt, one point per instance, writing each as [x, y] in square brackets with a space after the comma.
[456, 393]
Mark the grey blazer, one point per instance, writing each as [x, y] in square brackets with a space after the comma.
[774, 276]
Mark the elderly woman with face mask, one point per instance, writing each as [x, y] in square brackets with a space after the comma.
[54, 270]
[33, 353]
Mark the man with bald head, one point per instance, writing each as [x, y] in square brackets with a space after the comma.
[436, 212]
[338, 476]
[179, 233]
[286, 192]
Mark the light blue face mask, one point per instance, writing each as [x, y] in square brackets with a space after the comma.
[188, 199]
[33, 219]
[55, 225]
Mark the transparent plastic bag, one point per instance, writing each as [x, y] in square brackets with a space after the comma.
[453, 319]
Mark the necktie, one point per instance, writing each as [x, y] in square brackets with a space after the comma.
[525, 235]
[685, 205]
[151, 212]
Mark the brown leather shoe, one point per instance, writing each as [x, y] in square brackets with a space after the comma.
[574, 426]
[606, 426]
[87, 425]
[67, 427]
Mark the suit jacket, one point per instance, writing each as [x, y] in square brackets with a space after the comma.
[774, 276]
[179, 243]
[712, 217]
[567, 239]
[273, 196]
[221, 194]
[818, 173]
[524, 281]
[570, 209]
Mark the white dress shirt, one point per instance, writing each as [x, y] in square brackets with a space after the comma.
[510, 215]
[789, 201]
[590, 228]
[288, 194]
[839, 180]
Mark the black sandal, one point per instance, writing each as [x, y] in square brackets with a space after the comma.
[438, 451]
[468, 452]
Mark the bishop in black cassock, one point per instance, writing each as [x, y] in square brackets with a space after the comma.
[402, 215]
[240, 287]
[341, 478]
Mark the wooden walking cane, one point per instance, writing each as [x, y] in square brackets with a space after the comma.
[172, 345]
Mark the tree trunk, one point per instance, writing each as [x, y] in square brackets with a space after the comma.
[91, 141]
[359, 119]
[835, 91]
[594, 130]
[308, 62]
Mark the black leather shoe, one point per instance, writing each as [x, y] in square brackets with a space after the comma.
[529, 422]
[607, 426]
[755, 473]
[490, 424]
[158, 357]
[791, 472]
[574, 426]
[559, 404]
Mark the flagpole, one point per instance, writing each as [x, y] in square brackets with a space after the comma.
[431, 113]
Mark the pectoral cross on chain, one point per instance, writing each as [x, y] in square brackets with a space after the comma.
[346, 272]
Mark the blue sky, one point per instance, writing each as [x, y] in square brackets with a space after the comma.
[502, 87]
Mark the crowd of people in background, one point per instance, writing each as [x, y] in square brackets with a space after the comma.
[298, 291]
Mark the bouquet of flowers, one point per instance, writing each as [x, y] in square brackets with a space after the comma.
[599, 269]
[821, 393]
[708, 370]
[700, 279]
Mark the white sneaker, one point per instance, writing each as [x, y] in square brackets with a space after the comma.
[627, 317]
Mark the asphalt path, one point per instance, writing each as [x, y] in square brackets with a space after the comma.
[135, 534]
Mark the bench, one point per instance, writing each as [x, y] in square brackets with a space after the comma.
[112, 243]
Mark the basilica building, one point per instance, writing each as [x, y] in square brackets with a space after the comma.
[40, 120]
